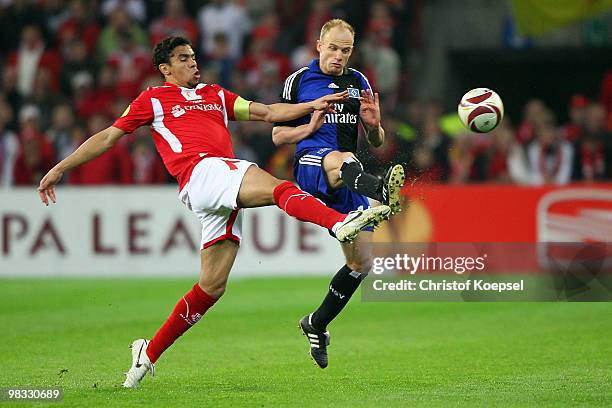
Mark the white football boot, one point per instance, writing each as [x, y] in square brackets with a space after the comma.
[347, 229]
[140, 364]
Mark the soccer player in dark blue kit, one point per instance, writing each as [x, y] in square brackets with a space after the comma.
[326, 166]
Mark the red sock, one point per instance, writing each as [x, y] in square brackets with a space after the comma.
[305, 207]
[186, 313]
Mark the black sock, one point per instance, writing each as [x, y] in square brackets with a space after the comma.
[356, 179]
[344, 283]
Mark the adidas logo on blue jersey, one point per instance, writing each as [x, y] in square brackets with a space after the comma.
[333, 86]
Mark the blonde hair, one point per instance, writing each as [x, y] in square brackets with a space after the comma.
[336, 22]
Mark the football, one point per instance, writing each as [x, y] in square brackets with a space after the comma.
[481, 110]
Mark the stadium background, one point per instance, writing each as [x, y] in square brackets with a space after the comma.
[69, 67]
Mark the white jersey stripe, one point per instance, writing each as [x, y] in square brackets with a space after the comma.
[289, 83]
[302, 161]
[287, 87]
[364, 78]
[159, 127]
[222, 96]
[310, 159]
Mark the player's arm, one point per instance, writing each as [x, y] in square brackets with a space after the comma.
[290, 135]
[284, 112]
[369, 113]
[375, 135]
[89, 150]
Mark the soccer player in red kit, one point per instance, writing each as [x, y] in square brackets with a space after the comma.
[188, 123]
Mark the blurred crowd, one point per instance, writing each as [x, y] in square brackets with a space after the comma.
[536, 150]
[70, 67]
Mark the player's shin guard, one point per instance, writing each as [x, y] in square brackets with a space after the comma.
[305, 207]
[357, 180]
[344, 283]
[186, 313]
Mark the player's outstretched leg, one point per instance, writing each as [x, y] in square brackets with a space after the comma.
[305, 207]
[387, 190]
[259, 188]
[392, 185]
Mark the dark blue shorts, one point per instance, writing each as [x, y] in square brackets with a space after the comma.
[310, 176]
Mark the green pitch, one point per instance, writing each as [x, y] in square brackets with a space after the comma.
[248, 352]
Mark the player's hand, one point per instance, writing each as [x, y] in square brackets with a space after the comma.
[369, 111]
[324, 102]
[46, 189]
[317, 120]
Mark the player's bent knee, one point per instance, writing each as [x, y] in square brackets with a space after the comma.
[215, 289]
[362, 266]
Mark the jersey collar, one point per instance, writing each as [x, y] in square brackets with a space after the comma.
[314, 67]
[198, 86]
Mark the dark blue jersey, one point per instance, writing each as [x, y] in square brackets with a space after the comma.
[340, 130]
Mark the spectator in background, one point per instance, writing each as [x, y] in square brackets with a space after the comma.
[44, 97]
[135, 9]
[113, 167]
[423, 168]
[9, 145]
[76, 61]
[320, 13]
[606, 98]
[9, 91]
[377, 160]
[59, 133]
[36, 155]
[31, 56]
[431, 151]
[82, 92]
[572, 131]
[410, 120]
[505, 161]
[132, 62]
[242, 149]
[269, 88]
[260, 57]
[220, 60]
[461, 156]
[54, 14]
[17, 15]
[119, 23]
[592, 161]
[385, 63]
[227, 17]
[381, 22]
[535, 112]
[78, 135]
[268, 27]
[174, 22]
[147, 166]
[550, 156]
[302, 55]
[80, 26]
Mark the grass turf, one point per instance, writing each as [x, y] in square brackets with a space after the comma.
[248, 351]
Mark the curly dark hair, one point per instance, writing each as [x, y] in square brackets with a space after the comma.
[163, 49]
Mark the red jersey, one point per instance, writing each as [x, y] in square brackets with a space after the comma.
[187, 124]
